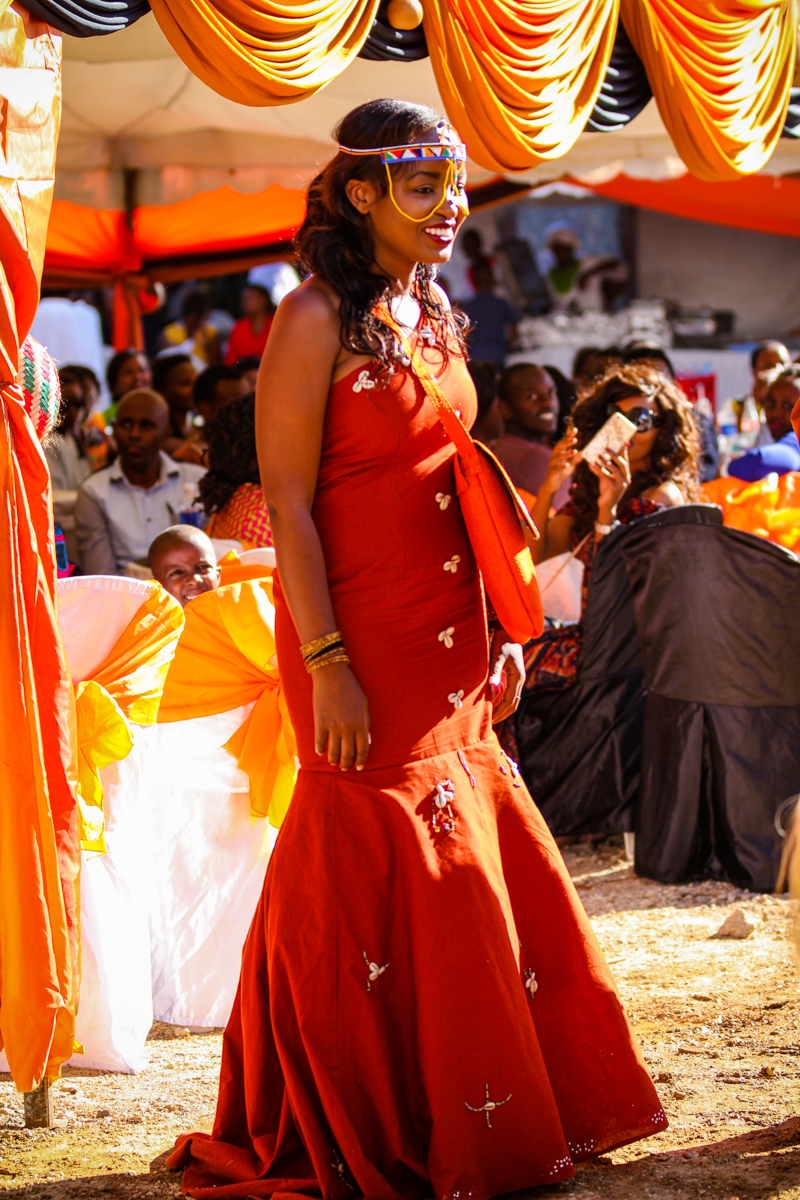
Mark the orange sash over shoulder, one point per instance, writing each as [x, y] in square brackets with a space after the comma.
[226, 658]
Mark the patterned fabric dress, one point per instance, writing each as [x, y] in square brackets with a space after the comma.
[551, 660]
[423, 1008]
[244, 518]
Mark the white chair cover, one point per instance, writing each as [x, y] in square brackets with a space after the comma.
[164, 913]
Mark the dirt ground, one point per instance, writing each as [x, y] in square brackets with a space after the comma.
[717, 1020]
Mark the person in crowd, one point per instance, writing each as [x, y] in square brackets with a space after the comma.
[578, 285]
[488, 423]
[658, 469]
[91, 433]
[783, 454]
[249, 335]
[90, 383]
[173, 378]
[231, 490]
[217, 386]
[567, 396]
[493, 319]
[66, 457]
[443, 1063]
[249, 368]
[213, 389]
[530, 411]
[121, 508]
[472, 245]
[183, 561]
[591, 364]
[193, 334]
[127, 371]
[767, 357]
[649, 354]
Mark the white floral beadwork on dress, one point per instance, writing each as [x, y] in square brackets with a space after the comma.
[363, 382]
[457, 698]
[530, 982]
[489, 1106]
[446, 636]
[442, 499]
[374, 970]
[452, 563]
[443, 818]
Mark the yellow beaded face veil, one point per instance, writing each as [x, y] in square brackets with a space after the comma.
[448, 149]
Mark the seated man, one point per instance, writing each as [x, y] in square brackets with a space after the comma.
[784, 453]
[529, 407]
[121, 509]
[183, 561]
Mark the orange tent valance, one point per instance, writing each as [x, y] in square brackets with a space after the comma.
[84, 243]
[768, 203]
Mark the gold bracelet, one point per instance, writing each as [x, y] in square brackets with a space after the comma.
[324, 660]
[322, 643]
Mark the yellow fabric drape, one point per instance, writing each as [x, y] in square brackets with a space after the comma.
[39, 851]
[266, 52]
[104, 736]
[125, 688]
[519, 78]
[720, 72]
[226, 658]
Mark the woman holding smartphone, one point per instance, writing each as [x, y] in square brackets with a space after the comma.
[657, 469]
[423, 1009]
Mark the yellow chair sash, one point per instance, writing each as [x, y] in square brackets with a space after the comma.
[124, 689]
[226, 658]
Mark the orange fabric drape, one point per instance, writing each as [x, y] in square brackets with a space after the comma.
[266, 52]
[518, 78]
[769, 508]
[218, 220]
[39, 852]
[765, 202]
[720, 71]
[226, 658]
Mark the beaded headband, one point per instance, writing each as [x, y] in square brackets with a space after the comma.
[448, 149]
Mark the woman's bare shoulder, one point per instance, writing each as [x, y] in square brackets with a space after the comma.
[311, 309]
[667, 493]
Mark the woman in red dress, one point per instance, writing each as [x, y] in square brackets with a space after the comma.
[423, 1008]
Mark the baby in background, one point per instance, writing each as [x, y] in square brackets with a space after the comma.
[183, 561]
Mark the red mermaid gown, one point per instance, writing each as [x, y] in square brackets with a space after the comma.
[423, 1008]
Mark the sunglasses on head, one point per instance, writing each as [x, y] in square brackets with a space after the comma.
[641, 417]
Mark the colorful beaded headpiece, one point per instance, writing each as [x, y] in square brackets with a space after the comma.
[448, 149]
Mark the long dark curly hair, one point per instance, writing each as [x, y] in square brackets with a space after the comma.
[232, 458]
[675, 451]
[335, 241]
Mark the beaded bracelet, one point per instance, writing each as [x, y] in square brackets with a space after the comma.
[324, 650]
[336, 655]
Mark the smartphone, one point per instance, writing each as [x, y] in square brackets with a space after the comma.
[614, 435]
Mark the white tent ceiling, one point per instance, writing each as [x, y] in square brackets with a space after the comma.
[129, 102]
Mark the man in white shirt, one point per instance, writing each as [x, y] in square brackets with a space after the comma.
[121, 509]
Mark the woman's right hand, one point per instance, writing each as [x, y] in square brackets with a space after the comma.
[341, 717]
[614, 472]
[563, 460]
